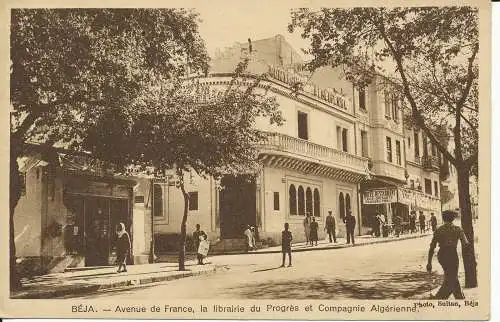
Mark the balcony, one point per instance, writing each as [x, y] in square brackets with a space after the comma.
[389, 170]
[285, 151]
[429, 162]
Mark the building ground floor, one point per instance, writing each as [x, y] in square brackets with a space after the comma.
[266, 201]
[380, 197]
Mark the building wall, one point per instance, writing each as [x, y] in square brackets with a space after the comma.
[279, 180]
[27, 219]
[322, 124]
[173, 207]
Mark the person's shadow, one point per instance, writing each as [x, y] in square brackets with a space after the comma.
[267, 269]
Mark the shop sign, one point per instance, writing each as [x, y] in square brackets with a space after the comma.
[406, 196]
[380, 196]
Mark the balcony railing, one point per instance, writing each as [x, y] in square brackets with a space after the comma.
[321, 153]
[430, 162]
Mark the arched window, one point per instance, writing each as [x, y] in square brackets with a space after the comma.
[292, 199]
[341, 206]
[309, 201]
[301, 201]
[347, 203]
[317, 205]
[157, 200]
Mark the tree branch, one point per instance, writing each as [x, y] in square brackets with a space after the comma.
[470, 76]
[416, 113]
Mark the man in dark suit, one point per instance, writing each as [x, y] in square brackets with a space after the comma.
[330, 226]
[350, 224]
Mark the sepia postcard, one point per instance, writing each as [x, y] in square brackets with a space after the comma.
[288, 160]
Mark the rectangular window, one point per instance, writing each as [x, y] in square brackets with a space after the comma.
[412, 184]
[344, 140]
[428, 186]
[389, 149]
[409, 142]
[395, 115]
[339, 138]
[398, 152]
[362, 99]
[436, 189]
[387, 103]
[434, 150]
[364, 144]
[157, 200]
[193, 200]
[276, 201]
[302, 125]
[425, 143]
[417, 144]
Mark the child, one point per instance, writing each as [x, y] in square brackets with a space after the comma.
[286, 245]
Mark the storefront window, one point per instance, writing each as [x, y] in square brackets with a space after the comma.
[309, 201]
[341, 206]
[301, 201]
[292, 199]
[317, 204]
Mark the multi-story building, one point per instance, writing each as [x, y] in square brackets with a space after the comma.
[309, 165]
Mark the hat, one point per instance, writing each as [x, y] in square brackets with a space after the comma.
[449, 215]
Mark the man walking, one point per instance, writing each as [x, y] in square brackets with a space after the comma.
[413, 222]
[196, 242]
[447, 237]
[286, 245]
[350, 223]
[330, 227]
[421, 221]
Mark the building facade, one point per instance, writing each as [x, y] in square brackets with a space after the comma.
[68, 211]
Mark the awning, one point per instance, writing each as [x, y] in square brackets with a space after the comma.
[412, 198]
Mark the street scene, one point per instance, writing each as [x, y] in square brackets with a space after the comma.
[187, 153]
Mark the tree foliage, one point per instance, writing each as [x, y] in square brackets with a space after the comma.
[429, 55]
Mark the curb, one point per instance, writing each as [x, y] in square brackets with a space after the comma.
[93, 288]
[383, 241]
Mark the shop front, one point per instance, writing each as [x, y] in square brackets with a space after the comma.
[395, 201]
[94, 208]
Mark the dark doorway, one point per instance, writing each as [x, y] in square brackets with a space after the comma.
[237, 205]
[97, 231]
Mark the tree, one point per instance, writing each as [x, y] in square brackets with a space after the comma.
[71, 66]
[192, 126]
[428, 55]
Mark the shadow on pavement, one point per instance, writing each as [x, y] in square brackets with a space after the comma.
[383, 286]
[266, 269]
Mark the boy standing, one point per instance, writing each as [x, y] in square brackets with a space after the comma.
[286, 245]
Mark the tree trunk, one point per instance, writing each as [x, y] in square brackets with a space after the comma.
[182, 242]
[468, 253]
[14, 196]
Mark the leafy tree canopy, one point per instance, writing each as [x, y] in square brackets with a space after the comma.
[428, 54]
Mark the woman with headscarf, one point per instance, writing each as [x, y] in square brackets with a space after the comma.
[122, 247]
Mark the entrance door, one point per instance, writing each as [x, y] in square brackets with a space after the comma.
[237, 206]
[119, 213]
[97, 231]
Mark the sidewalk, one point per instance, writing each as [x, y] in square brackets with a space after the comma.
[341, 243]
[98, 279]
[88, 281]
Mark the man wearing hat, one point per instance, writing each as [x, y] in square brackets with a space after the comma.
[330, 226]
[447, 236]
[350, 224]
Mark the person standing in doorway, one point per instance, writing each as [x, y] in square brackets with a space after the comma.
[286, 245]
[307, 228]
[314, 231]
[330, 227]
[350, 224]
[421, 221]
[447, 237]
[434, 222]
[196, 242]
[122, 247]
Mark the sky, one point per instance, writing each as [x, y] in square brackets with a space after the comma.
[236, 21]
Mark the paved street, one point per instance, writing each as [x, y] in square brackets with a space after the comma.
[382, 271]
